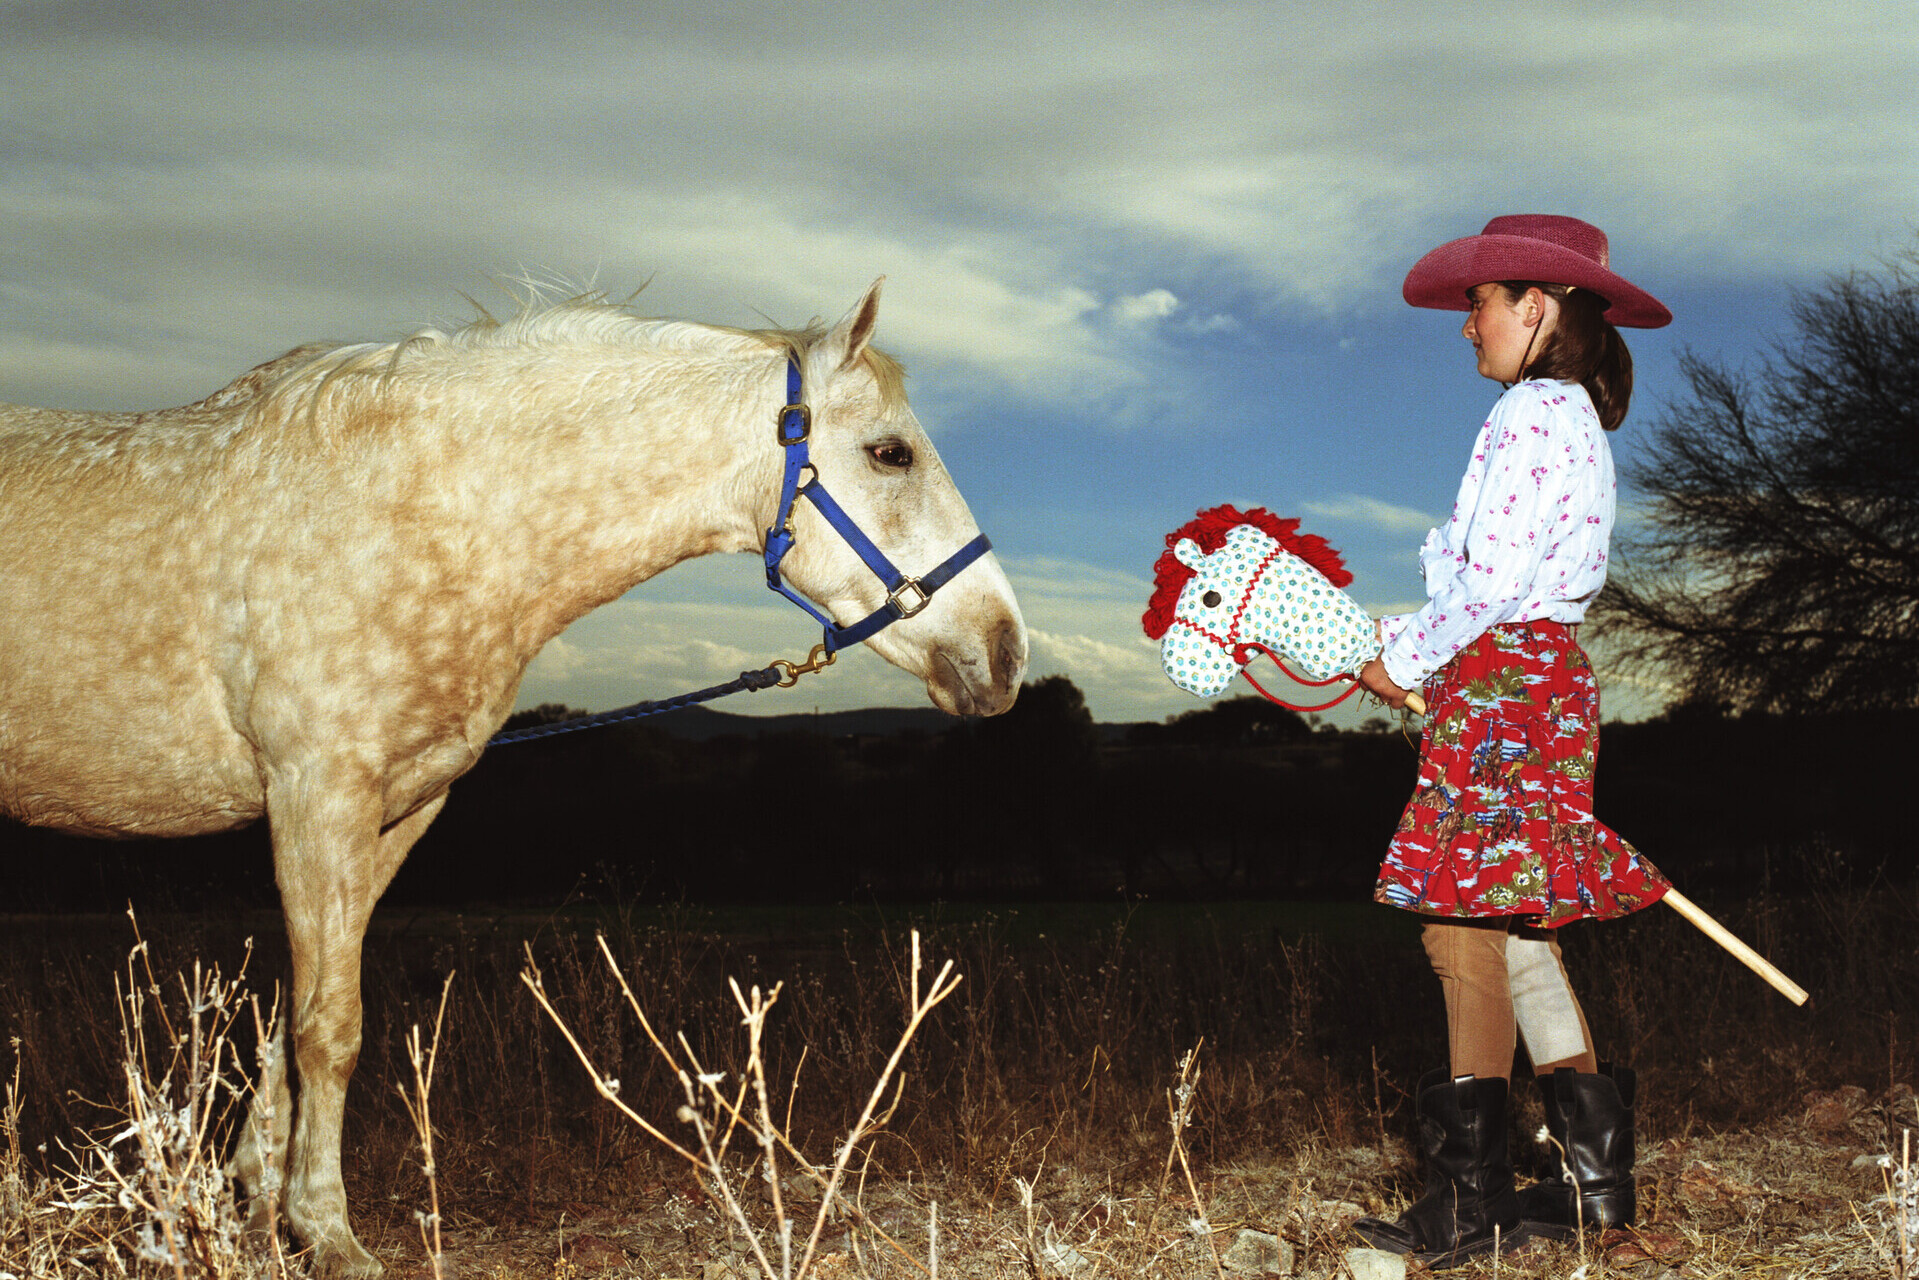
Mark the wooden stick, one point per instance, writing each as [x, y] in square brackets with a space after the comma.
[1415, 704]
[1724, 937]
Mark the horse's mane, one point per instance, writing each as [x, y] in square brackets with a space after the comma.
[581, 321]
[1209, 529]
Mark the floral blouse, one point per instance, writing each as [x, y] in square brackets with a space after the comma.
[1528, 534]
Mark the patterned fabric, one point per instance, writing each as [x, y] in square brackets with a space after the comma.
[1260, 593]
[1528, 533]
[1501, 820]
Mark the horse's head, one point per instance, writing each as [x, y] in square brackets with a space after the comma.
[1214, 594]
[968, 643]
[1198, 649]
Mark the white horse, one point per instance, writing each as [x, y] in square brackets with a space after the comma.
[313, 594]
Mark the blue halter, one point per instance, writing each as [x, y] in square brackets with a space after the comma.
[905, 596]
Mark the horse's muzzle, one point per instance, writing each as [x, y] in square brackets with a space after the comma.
[984, 685]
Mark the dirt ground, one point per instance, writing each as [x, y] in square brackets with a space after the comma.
[1805, 1196]
[1769, 1135]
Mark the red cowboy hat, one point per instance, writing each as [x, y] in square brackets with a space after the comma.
[1543, 247]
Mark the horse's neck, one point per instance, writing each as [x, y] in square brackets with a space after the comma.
[578, 478]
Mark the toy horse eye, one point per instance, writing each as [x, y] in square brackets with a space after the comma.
[1210, 599]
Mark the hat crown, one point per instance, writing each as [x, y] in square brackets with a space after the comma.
[1582, 238]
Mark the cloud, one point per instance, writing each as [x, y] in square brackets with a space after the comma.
[557, 664]
[1060, 578]
[1091, 659]
[302, 174]
[1199, 326]
[1371, 512]
[1144, 308]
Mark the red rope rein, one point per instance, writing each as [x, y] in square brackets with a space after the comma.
[1246, 669]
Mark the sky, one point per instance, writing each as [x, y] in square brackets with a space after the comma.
[1140, 259]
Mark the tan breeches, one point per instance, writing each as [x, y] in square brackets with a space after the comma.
[1501, 986]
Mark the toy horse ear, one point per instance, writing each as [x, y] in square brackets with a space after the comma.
[846, 342]
[1187, 552]
[1241, 534]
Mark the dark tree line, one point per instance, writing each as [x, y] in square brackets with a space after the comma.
[1778, 569]
[1236, 800]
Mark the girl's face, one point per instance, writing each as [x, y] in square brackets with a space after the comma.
[1501, 330]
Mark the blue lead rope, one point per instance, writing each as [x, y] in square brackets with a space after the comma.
[905, 596]
[755, 680]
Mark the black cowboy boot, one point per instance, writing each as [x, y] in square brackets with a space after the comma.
[1590, 1120]
[1469, 1177]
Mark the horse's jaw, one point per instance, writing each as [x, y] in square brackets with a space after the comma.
[968, 645]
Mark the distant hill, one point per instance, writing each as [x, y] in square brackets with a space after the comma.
[701, 724]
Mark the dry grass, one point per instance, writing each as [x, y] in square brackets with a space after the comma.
[1050, 1117]
[147, 1193]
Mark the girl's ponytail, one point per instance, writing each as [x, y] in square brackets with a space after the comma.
[1583, 347]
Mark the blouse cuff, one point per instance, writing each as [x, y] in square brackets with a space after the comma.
[1390, 628]
[1409, 679]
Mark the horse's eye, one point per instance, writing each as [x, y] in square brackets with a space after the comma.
[894, 454]
[1210, 599]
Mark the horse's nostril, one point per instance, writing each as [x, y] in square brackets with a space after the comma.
[1009, 657]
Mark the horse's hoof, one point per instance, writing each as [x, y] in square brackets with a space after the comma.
[346, 1260]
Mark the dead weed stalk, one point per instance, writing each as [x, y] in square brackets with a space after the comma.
[1179, 1108]
[716, 1114]
[419, 1112]
[1902, 1211]
[15, 1196]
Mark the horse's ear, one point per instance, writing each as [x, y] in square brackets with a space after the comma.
[1187, 552]
[846, 342]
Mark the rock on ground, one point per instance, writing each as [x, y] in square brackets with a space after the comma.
[1375, 1264]
[1258, 1253]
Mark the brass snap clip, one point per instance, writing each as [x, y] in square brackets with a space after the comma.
[790, 673]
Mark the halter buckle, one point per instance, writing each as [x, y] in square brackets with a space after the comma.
[896, 599]
[795, 424]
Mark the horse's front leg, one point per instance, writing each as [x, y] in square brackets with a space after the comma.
[332, 862]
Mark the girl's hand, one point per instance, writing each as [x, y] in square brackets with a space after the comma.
[1373, 676]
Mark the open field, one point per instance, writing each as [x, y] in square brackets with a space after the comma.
[1044, 1077]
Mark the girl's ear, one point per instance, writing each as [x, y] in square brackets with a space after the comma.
[1532, 307]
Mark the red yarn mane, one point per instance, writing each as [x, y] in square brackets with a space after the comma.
[1209, 529]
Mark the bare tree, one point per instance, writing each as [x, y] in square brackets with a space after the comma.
[1776, 566]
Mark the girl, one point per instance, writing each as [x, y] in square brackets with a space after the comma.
[1498, 846]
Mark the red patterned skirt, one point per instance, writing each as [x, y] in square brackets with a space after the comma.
[1501, 820]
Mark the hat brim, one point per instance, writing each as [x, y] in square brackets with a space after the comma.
[1443, 278]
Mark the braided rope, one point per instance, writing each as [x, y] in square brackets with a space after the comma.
[764, 678]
